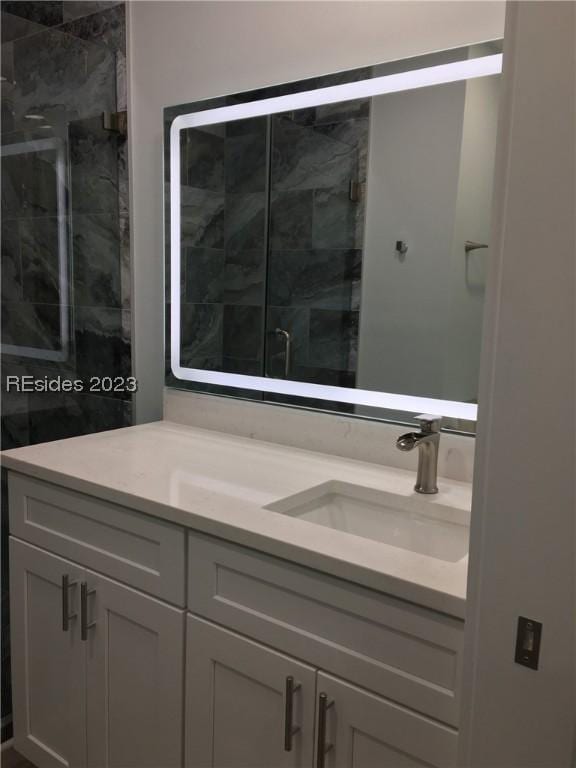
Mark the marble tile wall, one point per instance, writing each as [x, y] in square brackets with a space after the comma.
[316, 240]
[272, 238]
[224, 222]
[63, 65]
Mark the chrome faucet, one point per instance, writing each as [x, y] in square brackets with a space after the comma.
[427, 442]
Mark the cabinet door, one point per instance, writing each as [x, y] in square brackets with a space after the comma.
[237, 693]
[48, 661]
[366, 731]
[135, 669]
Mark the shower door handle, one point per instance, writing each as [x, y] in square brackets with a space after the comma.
[287, 349]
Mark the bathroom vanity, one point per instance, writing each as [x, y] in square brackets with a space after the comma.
[187, 597]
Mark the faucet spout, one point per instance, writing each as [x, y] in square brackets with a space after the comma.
[427, 441]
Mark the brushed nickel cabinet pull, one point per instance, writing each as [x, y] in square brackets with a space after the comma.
[289, 728]
[321, 747]
[84, 625]
[66, 615]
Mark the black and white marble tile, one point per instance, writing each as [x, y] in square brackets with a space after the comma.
[12, 187]
[41, 258]
[338, 221]
[246, 161]
[97, 260]
[245, 221]
[102, 343]
[315, 278]
[31, 325]
[243, 328]
[13, 27]
[59, 416]
[334, 338]
[11, 262]
[343, 110]
[125, 263]
[202, 218]
[29, 184]
[306, 158]
[48, 13]
[105, 25]
[62, 78]
[291, 220]
[73, 9]
[245, 274]
[94, 167]
[205, 275]
[201, 332]
[203, 159]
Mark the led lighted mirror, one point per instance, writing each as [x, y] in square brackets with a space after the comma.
[328, 239]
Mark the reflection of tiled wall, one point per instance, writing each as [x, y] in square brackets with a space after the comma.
[316, 233]
[65, 63]
[313, 246]
[224, 247]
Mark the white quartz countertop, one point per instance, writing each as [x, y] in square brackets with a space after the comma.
[219, 483]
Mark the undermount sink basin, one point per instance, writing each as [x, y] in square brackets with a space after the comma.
[407, 522]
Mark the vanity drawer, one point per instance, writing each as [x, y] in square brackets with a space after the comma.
[405, 652]
[138, 550]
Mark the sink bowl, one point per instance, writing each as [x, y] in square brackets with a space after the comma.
[407, 522]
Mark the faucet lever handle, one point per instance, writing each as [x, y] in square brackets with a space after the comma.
[429, 423]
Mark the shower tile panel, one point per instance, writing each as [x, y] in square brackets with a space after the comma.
[334, 338]
[11, 264]
[40, 261]
[291, 220]
[103, 344]
[242, 332]
[99, 22]
[244, 276]
[97, 260]
[315, 278]
[338, 221]
[304, 158]
[46, 12]
[245, 153]
[31, 325]
[201, 332]
[14, 27]
[203, 160]
[245, 221]
[62, 78]
[94, 167]
[345, 110]
[204, 275]
[202, 218]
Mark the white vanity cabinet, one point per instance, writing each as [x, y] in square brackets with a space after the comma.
[252, 707]
[237, 693]
[97, 666]
[137, 643]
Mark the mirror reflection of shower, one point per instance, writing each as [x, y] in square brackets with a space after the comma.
[45, 161]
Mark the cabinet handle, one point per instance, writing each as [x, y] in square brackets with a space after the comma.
[321, 747]
[84, 625]
[289, 728]
[66, 615]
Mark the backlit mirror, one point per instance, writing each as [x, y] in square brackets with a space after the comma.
[327, 240]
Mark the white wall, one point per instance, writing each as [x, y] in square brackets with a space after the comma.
[183, 51]
[413, 171]
[466, 273]
[430, 178]
[522, 557]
